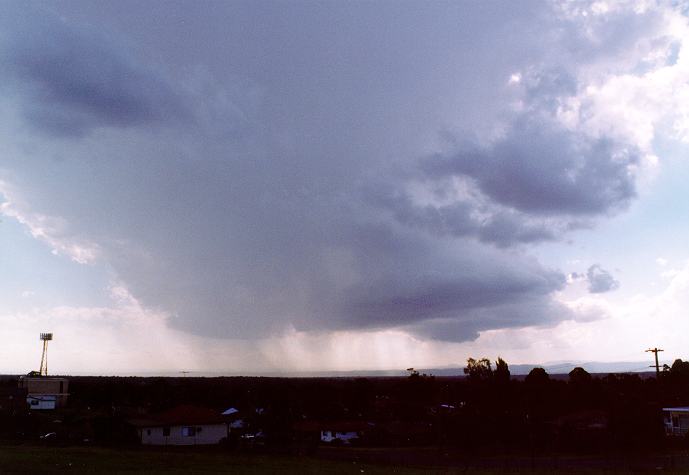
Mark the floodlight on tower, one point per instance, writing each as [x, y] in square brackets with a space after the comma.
[45, 338]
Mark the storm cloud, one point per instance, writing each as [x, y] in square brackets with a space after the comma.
[540, 168]
[600, 280]
[70, 80]
[374, 167]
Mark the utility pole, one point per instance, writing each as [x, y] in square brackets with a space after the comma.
[656, 366]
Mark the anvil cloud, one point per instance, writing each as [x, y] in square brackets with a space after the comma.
[332, 166]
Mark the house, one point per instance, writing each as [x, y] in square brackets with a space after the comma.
[344, 432]
[332, 432]
[676, 420]
[43, 392]
[233, 418]
[183, 425]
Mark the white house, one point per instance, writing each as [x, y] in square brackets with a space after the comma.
[344, 432]
[45, 392]
[676, 420]
[183, 425]
[331, 432]
[38, 401]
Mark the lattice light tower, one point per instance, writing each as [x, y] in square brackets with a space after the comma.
[45, 338]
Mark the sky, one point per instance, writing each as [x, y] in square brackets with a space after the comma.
[267, 186]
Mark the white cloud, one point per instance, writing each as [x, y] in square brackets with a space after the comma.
[627, 329]
[652, 89]
[49, 229]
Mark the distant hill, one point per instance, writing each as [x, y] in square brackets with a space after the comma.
[563, 367]
[560, 367]
[553, 368]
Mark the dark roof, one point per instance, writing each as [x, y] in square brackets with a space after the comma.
[181, 415]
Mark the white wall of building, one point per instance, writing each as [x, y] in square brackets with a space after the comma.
[676, 422]
[330, 435]
[204, 434]
[42, 402]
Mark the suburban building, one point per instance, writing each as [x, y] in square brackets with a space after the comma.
[676, 420]
[43, 392]
[332, 432]
[342, 432]
[233, 418]
[183, 425]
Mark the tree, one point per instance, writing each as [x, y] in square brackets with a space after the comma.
[680, 368]
[579, 376]
[679, 372]
[478, 370]
[537, 377]
[502, 371]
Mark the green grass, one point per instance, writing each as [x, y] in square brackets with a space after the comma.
[36, 459]
[148, 460]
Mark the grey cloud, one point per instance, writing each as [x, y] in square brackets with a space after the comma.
[537, 310]
[543, 89]
[600, 280]
[535, 182]
[504, 228]
[302, 217]
[465, 218]
[435, 287]
[72, 80]
[543, 169]
[621, 40]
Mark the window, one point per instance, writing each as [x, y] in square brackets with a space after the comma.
[188, 431]
[34, 402]
[166, 432]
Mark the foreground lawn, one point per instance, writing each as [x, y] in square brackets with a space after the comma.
[37, 459]
[42, 459]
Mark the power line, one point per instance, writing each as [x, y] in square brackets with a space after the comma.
[657, 365]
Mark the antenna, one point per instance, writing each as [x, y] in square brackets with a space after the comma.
[656, 366]
[45, 338]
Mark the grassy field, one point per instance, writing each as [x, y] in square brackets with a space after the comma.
[37, 459]
[45, 459]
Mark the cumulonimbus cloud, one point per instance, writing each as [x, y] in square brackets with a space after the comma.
[331, 205]
[71, 80]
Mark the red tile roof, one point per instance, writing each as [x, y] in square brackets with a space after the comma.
[182, 415]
